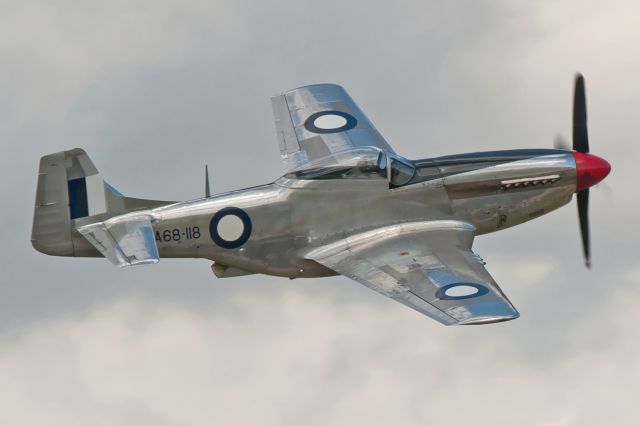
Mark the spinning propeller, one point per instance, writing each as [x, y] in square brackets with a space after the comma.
[590, 169]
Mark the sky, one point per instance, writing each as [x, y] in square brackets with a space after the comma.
[154, 90]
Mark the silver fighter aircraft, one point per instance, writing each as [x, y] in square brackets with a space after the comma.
[347, 204]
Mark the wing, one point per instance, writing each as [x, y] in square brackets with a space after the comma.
[428, 266]
[318, 120]
[125, 240]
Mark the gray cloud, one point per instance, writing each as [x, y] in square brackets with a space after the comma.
[153, 90]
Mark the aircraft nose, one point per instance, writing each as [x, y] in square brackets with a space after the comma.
[590, 169]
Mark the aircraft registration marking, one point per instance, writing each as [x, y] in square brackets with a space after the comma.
[177, 234]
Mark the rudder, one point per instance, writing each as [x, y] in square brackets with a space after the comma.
[69, 191]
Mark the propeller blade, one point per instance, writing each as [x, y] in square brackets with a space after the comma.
[207, 189]
[583, 215]
[580, 135]
[606, 188]
[561, 143]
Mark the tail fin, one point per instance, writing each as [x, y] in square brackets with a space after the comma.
[71, 193]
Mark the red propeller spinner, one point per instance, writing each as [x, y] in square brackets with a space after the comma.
[590, 169]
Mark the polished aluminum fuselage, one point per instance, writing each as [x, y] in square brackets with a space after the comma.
[291, 217]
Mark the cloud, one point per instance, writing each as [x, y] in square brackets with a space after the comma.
[70, 45]
[295, 358]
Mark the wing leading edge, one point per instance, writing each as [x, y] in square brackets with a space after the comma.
[428, 266]
[318, 120]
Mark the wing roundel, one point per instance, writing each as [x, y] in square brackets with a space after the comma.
[318, 120]
[428, 266]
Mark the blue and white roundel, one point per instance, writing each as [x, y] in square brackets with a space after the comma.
[460, 291]
[330, 122]
[230, 227]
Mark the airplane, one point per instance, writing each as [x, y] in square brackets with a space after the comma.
[346, 205]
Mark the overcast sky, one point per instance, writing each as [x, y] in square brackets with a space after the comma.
[153, 90]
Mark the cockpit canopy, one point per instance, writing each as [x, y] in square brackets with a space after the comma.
[358, 163]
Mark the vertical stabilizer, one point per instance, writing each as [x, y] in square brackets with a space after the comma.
[71, 193]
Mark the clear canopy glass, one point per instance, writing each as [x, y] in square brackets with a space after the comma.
[357, 163]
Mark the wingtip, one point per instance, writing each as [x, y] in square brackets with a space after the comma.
[490, 320]
[310, 86]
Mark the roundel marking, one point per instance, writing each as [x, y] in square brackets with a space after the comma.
[330, 122]
[460, 291]
[230, 227]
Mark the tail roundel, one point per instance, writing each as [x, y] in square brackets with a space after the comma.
[70, 194]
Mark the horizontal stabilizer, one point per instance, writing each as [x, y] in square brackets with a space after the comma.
[72, 193]
[125, 240]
